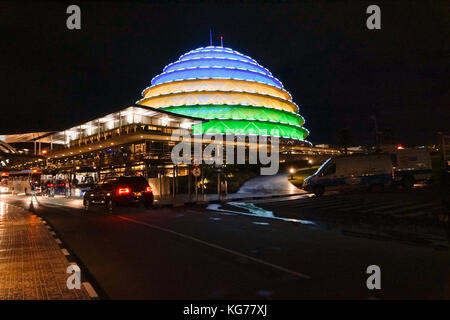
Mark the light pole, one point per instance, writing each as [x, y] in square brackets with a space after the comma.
[376, 129]
[292, 171]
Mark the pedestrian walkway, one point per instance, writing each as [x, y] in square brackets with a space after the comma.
[32, 263]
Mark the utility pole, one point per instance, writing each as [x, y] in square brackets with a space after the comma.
[189, 182]
[376, 129]
[203, 181]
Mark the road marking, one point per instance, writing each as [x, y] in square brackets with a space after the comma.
[261, 223]
[280, 199]
[413, 214]
[215, 246]
[90, 290]
[314, 202]
[415, 206]
[393, 206]
[365, 205]
[330, 205]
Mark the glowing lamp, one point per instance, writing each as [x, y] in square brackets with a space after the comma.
[292, 171]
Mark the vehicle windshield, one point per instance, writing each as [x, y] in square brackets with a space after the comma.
[134, 182]
[322, 166]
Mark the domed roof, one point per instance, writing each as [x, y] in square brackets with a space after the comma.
[216, 63]
[230, 90]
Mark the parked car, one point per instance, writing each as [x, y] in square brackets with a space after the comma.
[120, 191]
[80, 189]
[410, 166]
[373, 172]
[59, 187]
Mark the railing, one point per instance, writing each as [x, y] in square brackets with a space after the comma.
[115, 158]
[128, 129]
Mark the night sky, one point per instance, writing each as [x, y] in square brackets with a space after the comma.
[338, 71]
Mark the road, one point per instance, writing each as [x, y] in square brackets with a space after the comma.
[195, 253]
[407, 215]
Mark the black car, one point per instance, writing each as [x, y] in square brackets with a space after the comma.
[119, 191]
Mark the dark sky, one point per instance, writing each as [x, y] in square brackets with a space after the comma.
[338, 71]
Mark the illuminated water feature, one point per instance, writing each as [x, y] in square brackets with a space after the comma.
[255, 211]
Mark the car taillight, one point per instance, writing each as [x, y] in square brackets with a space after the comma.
[122, 191]
[148, 189]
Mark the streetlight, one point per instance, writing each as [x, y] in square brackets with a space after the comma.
[377, 138]
[292, 171]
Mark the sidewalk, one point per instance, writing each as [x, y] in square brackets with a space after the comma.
[32, 263]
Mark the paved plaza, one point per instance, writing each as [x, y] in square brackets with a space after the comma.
[32, 260]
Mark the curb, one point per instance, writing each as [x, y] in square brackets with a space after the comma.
[204, 202]
[72, 259]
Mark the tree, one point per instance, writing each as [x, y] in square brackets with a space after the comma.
[345, 138]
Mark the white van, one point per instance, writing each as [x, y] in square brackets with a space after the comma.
[373, 172]
[410, 166]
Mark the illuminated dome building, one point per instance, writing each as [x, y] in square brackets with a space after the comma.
[232, 91]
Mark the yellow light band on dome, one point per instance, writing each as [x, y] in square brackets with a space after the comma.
[215, 84]
[218, 97]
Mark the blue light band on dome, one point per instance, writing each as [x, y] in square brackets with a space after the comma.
[215, 73]
[216, 62]
[216, 52]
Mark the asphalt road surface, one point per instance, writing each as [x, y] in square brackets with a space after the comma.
[194, 253]
[403, 215]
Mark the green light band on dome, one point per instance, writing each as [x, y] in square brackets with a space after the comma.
[245, 127]
[238, 112]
